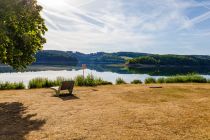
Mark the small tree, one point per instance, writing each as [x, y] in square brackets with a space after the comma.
[21, 32]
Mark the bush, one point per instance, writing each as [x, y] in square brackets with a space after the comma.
[150, 80]
[43, 83]
[186, 79]
[100, 81]
[79, 80]
[136, 82]
[208, 80]
[161, 80]
[90, 81]
[9, 86]
[120, 81]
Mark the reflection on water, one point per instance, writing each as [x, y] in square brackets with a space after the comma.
[109, 73]
[169, 71]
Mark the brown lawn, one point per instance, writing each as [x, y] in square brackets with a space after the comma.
[174, 112]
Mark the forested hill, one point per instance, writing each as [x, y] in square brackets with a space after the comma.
[69, 57]
[177, 60]
[74, 58]
[55, 58]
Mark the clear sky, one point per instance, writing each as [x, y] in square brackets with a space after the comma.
[152, 26]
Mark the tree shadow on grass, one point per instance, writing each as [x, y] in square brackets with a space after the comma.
[14, 124]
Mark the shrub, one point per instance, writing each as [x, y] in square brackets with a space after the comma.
[90, 81]
[43, 83]
[208, 80]
[79, 80]
[136, 82]
[9, 86]
[186, 79]
[120, 81]
[150, 80]
[161, 80]
[100, 81]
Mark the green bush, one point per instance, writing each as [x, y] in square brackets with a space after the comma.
[79, 80]
[120, 81]
[186, 79]
[190, 78]
[161, 80]
[208, 80]
[43, 83]
[9, 86]
[136, 82]
[150, 80]
[100, 81]
[90, 81]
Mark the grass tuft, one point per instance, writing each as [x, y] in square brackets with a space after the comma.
[45, 82]
[90, 80]
[150, 80]
[190, 78]
[136, 82]
[161, 80]
[10, 86]
[120, 81]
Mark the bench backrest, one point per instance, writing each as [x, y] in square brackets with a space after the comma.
[67, 85]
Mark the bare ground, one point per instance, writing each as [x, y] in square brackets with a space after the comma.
[174, 112]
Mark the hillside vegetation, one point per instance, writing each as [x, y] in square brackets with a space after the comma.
[180, 60]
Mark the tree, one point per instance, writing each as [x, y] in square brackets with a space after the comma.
[22, 32]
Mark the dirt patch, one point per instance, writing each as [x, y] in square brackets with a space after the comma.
[175, 111]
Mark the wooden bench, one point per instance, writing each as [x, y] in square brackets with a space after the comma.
[66, 85]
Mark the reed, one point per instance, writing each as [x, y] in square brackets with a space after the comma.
[90, 80]
[120, 81]
[190, 78]
[150, 80]
[136, 82]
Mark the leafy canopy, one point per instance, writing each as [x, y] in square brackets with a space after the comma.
[21, 32]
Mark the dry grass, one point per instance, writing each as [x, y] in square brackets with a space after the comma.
[175, 112]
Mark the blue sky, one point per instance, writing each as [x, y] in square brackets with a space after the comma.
[151, 26]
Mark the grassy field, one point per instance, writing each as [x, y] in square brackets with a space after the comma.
[174, 112]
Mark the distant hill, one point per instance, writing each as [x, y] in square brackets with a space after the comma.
[55, 58]
[170, 60]
[132, 59]
[69, 57]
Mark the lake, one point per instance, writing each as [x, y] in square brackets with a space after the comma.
[107, 72]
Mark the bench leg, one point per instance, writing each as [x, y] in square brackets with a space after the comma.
[70, 92]
[57, 92]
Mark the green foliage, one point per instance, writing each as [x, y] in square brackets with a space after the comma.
[120, 81]
[136, 82]
[21, 32]
[150, 80]
[44, 82]
[179, 60]
[9, 86]
[161, 80]
[90, 81]
[79, 80]
[143, 60]
[186, 79]
[55, 58]
[190, 78]
[100, 81]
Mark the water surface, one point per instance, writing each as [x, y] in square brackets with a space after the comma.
[108, 73]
